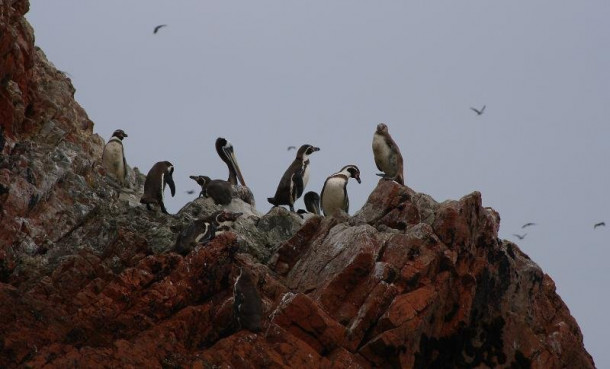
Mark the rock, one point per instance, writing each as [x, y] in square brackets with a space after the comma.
[88, 279]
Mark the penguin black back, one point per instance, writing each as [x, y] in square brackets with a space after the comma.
[312, 202]
[157, 178]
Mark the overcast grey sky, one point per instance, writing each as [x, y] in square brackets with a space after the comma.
[269, 74]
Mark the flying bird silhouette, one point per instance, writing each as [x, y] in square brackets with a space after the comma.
[527, 225]
[599, 224]
[190, 192]
[157, 28]
[479, 112]
[520, 236]
[291, 148]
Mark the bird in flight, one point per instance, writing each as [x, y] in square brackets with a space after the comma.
[527, 225]
[520, 236]
[190, 192]
[599, 224]
[478, 111]
[291, 148]
[157, 28]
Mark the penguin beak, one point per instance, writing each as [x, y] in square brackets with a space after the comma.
[357, 177]
[233, 166]
[316, 149]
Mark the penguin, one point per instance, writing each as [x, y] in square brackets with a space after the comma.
[334, 193]
[387, 155]
[158, 176]
[223, 220]
[224, 149]
[113, 157]
[220, 191]
[202, 231]
[247, 303]
[312, 202]
[295, 179]
[198, 232]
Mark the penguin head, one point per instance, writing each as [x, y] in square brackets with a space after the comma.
[382, 128]
[306, 150]
[203, 181]
[120, 134]
[351, 171]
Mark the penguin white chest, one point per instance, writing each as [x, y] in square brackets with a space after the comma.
[334, 196]
[381, 151]
[112, 159]
[305, 175]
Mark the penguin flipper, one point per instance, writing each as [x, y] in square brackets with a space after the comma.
[297, 179]
[125, 169]
[346, 198]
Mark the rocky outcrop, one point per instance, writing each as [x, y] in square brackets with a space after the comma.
[88, 279]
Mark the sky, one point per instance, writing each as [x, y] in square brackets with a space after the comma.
[271, 74]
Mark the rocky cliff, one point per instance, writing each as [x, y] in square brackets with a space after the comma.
[88, 279]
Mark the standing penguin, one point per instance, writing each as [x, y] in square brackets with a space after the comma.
[387, 155]
[247, 303]
[158, 176]
[113, 157]
[202, 231]
[334, 193]
[295, 179]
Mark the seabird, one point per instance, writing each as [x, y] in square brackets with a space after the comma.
[157, 28]
[479, 112]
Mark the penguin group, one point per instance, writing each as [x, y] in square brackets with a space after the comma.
[332, 200]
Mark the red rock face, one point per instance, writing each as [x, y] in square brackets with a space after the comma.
[87, 280]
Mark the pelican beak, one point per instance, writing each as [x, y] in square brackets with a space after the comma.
[234, 167]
